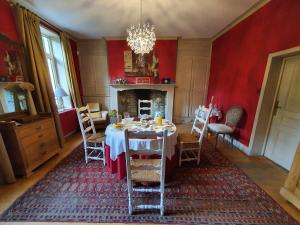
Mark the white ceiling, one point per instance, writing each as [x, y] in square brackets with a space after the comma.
[110, 18]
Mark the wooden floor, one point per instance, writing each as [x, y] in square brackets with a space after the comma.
[262, 171]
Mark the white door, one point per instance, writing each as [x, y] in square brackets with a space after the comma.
[285, 128]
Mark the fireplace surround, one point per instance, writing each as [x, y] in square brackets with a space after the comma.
[124, 97]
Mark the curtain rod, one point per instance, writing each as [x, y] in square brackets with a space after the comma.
[14, 3]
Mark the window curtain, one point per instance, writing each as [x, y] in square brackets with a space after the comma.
[29, 29]
[72, 81]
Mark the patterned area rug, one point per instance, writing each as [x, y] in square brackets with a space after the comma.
[216, 192]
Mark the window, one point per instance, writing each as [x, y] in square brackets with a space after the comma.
[57, 68]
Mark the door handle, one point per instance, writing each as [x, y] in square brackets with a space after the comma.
[276, 107]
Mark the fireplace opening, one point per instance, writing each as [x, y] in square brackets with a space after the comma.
[128, 101]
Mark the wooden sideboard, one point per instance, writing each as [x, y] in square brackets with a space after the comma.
[30, 144]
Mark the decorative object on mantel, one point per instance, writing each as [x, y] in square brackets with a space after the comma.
[142, 80]
[141, 38]
[165, 80]
[120, 80]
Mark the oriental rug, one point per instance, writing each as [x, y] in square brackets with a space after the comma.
[214, 193]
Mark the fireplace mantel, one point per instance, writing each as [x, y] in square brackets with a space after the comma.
[142, 86]
[169, 88]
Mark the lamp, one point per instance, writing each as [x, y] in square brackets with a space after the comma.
[59, 93]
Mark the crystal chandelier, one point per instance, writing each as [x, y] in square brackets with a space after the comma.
[141, 38]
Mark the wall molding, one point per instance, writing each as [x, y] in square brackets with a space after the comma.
[245, 149]
[240, 18]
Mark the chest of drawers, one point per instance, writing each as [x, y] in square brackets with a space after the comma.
[30, 144]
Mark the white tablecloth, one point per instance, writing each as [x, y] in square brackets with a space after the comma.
[115, 139]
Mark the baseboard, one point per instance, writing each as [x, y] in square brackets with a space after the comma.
[70, 133]
[237, 144]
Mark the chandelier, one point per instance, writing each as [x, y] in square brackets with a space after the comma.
[141, 38]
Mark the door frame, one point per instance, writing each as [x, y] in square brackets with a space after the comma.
[268, 94]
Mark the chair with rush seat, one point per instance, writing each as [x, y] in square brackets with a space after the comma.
[93, 142]
[190, 144]
[146, 170]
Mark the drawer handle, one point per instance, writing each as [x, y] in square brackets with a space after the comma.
[41, 135]
[38, 128]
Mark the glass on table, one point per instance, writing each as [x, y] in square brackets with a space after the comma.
[126, 115]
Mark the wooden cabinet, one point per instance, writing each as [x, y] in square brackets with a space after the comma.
[94, 72]
[291, 189]
[193, 60]
[29, 145]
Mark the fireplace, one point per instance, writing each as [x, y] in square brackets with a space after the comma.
[125, 98]
[128, 101]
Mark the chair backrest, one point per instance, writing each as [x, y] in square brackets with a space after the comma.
[94, 106]
[201, 121]
[85, 122]
[147, 135]
[233, 116]
[142, 109]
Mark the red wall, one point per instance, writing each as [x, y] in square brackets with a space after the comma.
[7, 22]
[69, 122]
[240, 55]
[165, 50]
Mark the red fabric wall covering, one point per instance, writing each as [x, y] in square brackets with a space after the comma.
[239, 57]
[166, 51]
[69, 122]
[7, 22]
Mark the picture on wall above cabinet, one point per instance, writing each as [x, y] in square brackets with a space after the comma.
[10, 60]
[137, 65]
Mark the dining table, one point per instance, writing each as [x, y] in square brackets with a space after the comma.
[115, 144]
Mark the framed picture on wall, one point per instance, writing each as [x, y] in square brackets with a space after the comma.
[11, 59]
[136, 65]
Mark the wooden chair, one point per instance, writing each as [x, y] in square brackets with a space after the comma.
[144, 108]
[93, 142]
[190, 144]
[145, 170]
[233, 116]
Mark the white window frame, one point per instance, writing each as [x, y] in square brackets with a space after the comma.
[54, 62]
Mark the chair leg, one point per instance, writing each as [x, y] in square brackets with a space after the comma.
[217, 135]
[198, 156]
[162, 210]
[162, 193]
[103, 152]
[180, 153]
[130, 197]
[85, 153]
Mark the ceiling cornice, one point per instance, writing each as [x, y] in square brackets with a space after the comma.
[247, 13]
